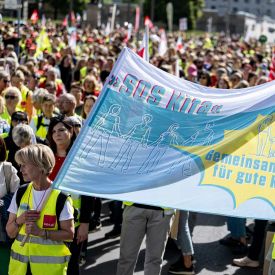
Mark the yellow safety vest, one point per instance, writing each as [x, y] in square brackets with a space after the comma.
[43, 128]
[273, 251]
[25, 94]
[77, 205]
[44, 256]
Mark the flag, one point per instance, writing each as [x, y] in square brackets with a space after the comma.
[144, 49]
[72, 39]
[163, 43]
[72, 17]
[155, 139]
[42, 42]
[148, 22]
[137, 19]
[34, 17]
[179, 45]
[43, 21]
[65, 21]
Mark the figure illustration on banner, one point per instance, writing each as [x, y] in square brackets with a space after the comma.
[202, 137]
[166, 139]
[107, 125]
[266, 138]
[137, 136]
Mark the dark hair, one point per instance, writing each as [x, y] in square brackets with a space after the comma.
[93, 97]
[3, 150]
[53, 122]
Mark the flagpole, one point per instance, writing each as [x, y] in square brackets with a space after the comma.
[146, 43]
[19, 6]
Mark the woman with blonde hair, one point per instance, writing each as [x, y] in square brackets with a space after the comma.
[38, 223]
[13, 98]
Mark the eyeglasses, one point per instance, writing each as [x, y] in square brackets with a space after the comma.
[12, 97]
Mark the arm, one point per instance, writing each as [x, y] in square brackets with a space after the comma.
[85, 214]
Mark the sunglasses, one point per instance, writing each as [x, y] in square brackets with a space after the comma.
[19, 120]
[203, 77]
[6, 81]
[12, 97]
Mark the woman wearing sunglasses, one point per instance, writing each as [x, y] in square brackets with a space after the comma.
[61, 137]
[12, 98]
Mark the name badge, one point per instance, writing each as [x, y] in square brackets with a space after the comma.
[49, 221]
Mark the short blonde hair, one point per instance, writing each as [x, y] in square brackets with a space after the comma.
[38, 155]
[23, 135]
[13, 90]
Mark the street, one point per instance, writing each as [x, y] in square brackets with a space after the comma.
[211, 257]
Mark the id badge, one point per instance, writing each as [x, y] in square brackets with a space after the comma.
[49, 221]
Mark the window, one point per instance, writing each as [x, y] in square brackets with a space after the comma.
[235, 9]
[246, 1]
[213, 7]
[236, 0]
[257, 1]
[268, 12]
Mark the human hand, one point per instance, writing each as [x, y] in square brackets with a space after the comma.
[32, 228]
[82, 232]
[28, 216]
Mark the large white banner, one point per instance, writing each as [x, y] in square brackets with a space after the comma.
[155, 139]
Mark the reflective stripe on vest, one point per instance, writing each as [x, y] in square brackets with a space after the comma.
[40, 259]
[37, 240]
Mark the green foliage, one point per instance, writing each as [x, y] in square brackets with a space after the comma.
[63, 6]
[192, 9]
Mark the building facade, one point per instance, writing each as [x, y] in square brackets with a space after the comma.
[259, 8]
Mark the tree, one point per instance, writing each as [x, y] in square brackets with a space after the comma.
[191, 9]
[63, 6]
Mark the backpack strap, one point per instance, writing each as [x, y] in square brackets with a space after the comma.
[20, 192]
[61, 200]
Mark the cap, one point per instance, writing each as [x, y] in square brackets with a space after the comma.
[192, 70]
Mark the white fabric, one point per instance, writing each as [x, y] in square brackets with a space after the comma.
[66, 213]
[14, 183]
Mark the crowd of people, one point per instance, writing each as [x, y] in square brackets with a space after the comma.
[47, 90]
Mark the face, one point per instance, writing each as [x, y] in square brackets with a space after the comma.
[203, 80]
[65, 105]
[16, 82]
[4, 83]
[48, 108]
[11, 99]
[30, 172]
[76, 93]
[223, 84]
[61, 135]
[89, 85]
[89, 103]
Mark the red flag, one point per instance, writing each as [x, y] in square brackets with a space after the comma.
[137, 19]
[144, 50]
[65, 21]
[141, 52]
[148, 22]
[73, 19]
[179, 46]
[34, 17]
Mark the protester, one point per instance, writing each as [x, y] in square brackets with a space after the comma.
[30, 255]
[61, 137]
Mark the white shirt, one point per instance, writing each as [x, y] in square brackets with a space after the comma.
[14, 183]
[67, 212]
